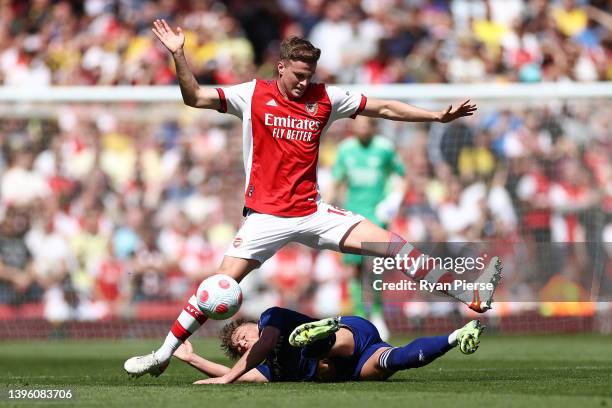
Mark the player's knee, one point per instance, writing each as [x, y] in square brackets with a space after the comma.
[374, 372]
[395, 244]
[345, 343]
[237, 268]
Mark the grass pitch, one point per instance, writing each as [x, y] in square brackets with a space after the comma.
[542, 371]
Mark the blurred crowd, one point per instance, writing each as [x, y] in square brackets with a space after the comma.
[101, 42]
[100, 216]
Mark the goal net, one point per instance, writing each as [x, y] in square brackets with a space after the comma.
[117, 202]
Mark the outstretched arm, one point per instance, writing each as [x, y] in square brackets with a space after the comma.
[395, 110]
[185, 353]
[193, 95]
[249, 360]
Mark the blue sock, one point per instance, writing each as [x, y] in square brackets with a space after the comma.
[418, 353]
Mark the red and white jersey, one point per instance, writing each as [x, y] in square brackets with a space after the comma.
[565, 225]
[531, 187]
[281, 141]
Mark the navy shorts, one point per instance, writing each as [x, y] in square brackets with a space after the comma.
[367, 341]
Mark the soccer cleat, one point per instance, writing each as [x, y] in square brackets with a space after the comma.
[147, 364]
[469, 337]
[308, 333]
[483, 299]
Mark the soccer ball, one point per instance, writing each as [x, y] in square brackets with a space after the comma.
[219, 297]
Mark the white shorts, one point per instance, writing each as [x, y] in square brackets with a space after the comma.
[262, 235]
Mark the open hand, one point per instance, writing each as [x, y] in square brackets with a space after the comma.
[450, 114]
[171, 40]
[184, 351]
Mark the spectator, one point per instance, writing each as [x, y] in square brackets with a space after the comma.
[44, 42]
[570, 196]
[53, 262]
[17, 279]
[148, 266]
[331, 35]
[21, 185]
[466, 66]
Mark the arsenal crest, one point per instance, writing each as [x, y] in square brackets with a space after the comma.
[311, 108]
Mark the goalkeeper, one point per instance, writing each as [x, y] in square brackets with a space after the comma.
[365, 164]
[285, 345]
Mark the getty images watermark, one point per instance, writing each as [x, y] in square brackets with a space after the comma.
[414, 266]
[533, 271]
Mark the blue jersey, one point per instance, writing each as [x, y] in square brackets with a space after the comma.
[285, 362]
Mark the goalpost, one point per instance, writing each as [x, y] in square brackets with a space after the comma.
[406, 92]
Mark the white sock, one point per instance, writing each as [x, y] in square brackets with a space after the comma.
[188, 322]
[452, 338]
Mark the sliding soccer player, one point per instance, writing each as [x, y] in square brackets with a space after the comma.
[285, 345]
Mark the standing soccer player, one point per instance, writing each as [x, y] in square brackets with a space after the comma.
[365, 164]
[283, 121]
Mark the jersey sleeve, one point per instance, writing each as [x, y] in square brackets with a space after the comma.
[345, 104]
[274, 316]
[264, 369]
[236, 99]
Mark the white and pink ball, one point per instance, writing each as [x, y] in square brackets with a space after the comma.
[219, 297]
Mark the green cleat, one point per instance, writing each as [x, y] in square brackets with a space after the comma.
[308, 333]
[469, 337]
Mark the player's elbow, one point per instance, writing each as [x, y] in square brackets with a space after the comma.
[190, 100]
[193, 98]
[203, 98]
[253, 376]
